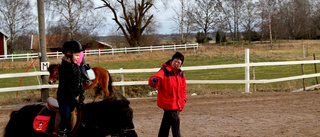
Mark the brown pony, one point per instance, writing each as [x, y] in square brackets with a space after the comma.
[103, 80]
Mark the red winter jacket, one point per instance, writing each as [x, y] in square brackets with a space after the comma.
[172, 94]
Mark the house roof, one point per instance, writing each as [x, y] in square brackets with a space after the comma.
[105, 44]
[52, 41]
[5, 34]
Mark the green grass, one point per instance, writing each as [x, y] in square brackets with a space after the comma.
[208, 56]
[267, 72]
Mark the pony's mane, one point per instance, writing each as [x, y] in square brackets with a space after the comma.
[115, 98]
[52, 66]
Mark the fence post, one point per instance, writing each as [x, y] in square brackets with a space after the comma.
[303, 80]
[12, 57]
[315, 67]
[162, 47]
[185, 47]
[112, 51]
[174, 47]
[247, 71]
[122, 80]
[303, 52]
[253, 78]
[27, 56]
[139, 49]
[125, 50]
[151, 48]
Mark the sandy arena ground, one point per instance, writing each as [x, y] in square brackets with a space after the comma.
[243, 115]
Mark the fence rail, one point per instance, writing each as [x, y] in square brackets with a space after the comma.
[246, 65]
[99, 52]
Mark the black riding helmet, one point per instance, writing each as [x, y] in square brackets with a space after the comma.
[71, 47]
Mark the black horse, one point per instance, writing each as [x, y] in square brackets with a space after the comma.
[110, 116]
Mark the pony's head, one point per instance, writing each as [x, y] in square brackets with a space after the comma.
[54, 73]
[111, 116]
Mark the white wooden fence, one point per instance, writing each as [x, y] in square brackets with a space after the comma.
[246, 80]
[99, 52]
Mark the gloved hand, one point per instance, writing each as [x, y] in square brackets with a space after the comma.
[154, 81]
[87, 66]
[81, 98]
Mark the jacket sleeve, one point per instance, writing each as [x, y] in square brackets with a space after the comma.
[159, 75]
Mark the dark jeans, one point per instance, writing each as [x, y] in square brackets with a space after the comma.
[65, 111]
[170, 119]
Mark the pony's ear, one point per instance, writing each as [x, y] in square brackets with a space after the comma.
[125, 102]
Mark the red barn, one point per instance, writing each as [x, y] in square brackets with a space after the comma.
[103, 45]
[53, 42]
[3, 43]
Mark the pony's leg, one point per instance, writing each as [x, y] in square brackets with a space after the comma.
[106, 87]
[97, 93]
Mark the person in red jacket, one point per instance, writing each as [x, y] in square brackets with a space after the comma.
[172, 94]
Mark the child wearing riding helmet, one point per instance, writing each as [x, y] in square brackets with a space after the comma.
[70, 85]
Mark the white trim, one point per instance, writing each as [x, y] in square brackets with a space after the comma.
[31, 41]
[105, 44]
[5, 34]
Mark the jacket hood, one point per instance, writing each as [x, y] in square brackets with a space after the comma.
[169, 66]
[168, 63]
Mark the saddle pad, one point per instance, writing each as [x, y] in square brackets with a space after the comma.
[91, 74]
[40, 123]
[44, 121]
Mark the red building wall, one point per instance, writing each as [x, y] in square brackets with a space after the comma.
[1, 44]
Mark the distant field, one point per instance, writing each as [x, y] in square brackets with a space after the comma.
[206, 55]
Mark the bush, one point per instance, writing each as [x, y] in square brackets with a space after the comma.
[218, 37]
[200, 38]
[224, 38]
[255, 36]
[316, 37]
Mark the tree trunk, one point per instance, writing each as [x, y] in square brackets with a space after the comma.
[270, 30]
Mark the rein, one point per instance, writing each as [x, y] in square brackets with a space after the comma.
[114, 131]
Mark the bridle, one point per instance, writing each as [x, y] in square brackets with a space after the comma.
[54, 76]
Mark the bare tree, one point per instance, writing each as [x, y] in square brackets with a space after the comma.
[269, 15]
[182, 23]
[76, 15]
[131, 19]
[17, 17]
[204, 14]
[232, 10]
[249, 18]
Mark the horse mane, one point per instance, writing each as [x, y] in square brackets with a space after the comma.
[115, 99]
[52, 66]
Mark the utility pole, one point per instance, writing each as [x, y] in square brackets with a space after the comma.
[43, 48]
[182, 21]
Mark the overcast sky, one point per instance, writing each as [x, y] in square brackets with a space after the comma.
[162, 16]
